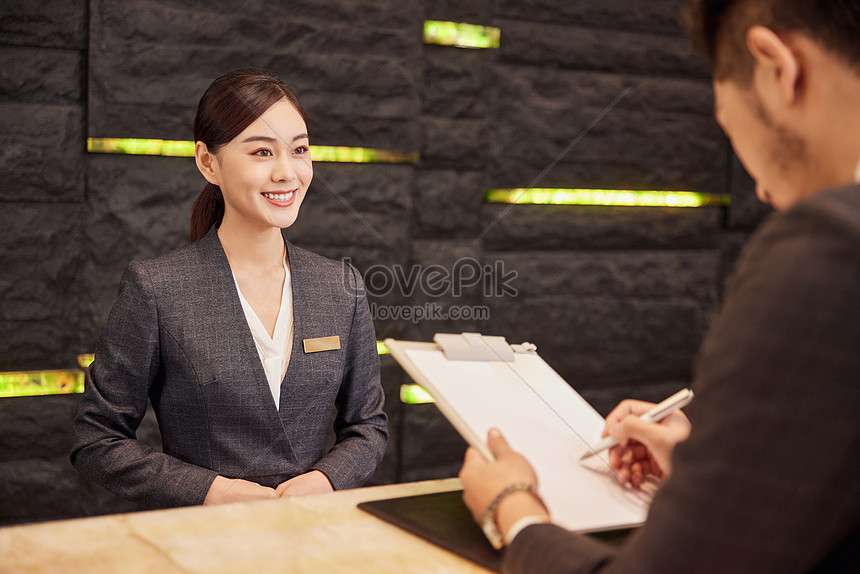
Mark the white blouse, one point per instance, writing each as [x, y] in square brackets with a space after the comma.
[274, 351]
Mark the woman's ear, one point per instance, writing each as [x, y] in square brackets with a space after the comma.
[206, 163]
[777, 66]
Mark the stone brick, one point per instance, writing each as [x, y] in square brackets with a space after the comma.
[41, 152]
[378, 13]
[430, 441]
[38, 291]
[47, 23]
[450, 288]
[274, 25]
[362, 205]
[36, 427]
[534, 128]
[675, 274]
[606, 397]
[548, 227]
[448, 203]
[641, 15]
[37, 75]
[150, 64]
[455, 83]
[595, 341]
[549, 45]
[454, 142]
[38, 489]
[746, 210]
[469, 11]
[138, 206]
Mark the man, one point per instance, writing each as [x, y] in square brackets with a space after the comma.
[768, 479]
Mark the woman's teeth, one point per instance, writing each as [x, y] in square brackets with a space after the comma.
[280, 196]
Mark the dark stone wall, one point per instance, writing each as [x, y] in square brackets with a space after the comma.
[617, 299]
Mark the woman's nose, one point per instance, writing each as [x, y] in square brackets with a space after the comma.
[284, 169]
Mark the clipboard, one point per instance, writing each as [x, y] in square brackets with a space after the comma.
[540, 415]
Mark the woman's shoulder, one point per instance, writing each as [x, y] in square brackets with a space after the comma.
[178, 264]
[324, 276]
[316, 263]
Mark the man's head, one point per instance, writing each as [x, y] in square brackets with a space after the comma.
[786, 73]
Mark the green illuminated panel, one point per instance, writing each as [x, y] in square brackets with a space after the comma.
[134, 146]
[381, 348]
[414, 395]
[31, 383]
[179, 148]
[461, 35]
[623, 197]
[86, 360]
[360, 155]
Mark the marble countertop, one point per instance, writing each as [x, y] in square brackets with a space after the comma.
[323, 534]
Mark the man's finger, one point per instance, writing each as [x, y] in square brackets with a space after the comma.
[649, 434]
[497, 443]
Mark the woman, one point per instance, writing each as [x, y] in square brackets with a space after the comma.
[243, 342]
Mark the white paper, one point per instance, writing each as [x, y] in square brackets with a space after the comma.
[545, 420]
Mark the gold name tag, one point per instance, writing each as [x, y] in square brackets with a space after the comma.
[321, 344]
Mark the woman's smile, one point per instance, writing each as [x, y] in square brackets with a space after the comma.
[280, 198]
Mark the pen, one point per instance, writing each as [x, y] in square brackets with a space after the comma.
[679, 400]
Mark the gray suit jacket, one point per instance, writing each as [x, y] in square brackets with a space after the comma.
[177, 335]
[769, 480]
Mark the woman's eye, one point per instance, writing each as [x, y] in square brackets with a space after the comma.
[263, 153]
[302, 149]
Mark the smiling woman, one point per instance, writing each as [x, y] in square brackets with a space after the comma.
[243, 342]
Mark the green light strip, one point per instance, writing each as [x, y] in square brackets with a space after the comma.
[414, 395]
[461, 35]
[181, 148]
[34, 383]
[622, 197]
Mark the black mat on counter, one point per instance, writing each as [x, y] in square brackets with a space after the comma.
[441, 518]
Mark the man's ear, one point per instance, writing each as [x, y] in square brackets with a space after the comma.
[206, 162]
[777, 67]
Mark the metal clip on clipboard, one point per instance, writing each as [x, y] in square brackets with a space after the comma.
[477, 347]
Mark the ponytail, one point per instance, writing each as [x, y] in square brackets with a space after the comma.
[208, 210]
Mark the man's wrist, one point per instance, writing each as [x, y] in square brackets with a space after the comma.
[516, 508]
[514, 502]
[521, 525]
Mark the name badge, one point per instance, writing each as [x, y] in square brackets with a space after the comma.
[321, 344]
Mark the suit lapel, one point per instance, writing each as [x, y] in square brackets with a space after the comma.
[228, 319]
[298, 359]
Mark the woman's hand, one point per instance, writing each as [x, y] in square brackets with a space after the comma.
[483, 481]
[644, 448]
[226, 490]
[313, 482]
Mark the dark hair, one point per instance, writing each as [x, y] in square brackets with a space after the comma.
[718, 29]
[232, 103]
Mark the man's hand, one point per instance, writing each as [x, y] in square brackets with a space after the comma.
[644, 448]
[225, 490]
[483, 481]
[313, 482]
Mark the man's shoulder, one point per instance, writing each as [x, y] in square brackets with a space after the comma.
[832, 211]
[830, 217]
